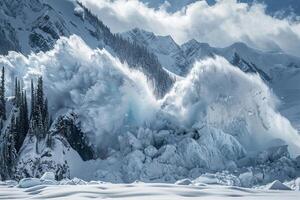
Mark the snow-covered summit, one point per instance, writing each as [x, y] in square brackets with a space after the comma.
[165, 48]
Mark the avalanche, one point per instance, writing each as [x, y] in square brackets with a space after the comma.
[217, 118]
[216, 94]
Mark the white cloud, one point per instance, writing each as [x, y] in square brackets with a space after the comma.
[220, 25]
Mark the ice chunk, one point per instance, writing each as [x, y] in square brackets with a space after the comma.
[74, 181]
[48, 176]
[150, 151]
[184, 182]
[168, 155]
[207, 179]
[247, 179]
[193, 154]
[145, 136]
[128, 142]
[221, 178]
[29, 182]
[294, 184]
[132, 166]
[277, 185]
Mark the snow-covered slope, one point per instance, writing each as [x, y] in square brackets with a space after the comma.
[179, 59]
[35, 25]
[278, 69]
[167, 51]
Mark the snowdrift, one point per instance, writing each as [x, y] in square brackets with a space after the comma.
[209, 121]
[207, 186]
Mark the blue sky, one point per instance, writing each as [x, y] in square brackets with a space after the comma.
[272, 5]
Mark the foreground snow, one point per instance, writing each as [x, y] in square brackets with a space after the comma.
[141, 191]
[206, 187]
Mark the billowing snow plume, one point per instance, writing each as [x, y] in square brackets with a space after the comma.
[106, 94]
[111, 99]
[217, 94]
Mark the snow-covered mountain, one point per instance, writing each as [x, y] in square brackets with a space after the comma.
[136, 106]
[278, 69]
[35, 25]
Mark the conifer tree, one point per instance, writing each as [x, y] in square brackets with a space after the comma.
[39, 122]
[46, 115]
[11, 151]
[18, 94]
[32, 100]
[2, 97]
[40, 95]
[25, 106]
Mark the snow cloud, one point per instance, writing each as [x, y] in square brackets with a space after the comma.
[220, 25]
[217, 94]
[107, 95]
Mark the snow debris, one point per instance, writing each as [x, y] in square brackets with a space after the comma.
[29, 182]
[277, 185]
[220, 178]
[184, 182]
[48, 176]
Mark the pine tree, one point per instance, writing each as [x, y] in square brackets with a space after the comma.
[10, 146]
[18, 95]
[2, 97]
[32, 101]
[26, 120]
[39, 122]
[40, 95]
[22, 121]
[46, 116]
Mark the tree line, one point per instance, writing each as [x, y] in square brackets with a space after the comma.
[19, 122]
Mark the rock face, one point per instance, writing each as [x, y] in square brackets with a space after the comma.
[36, 158]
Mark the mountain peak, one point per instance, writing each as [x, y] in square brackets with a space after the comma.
[195, 44]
